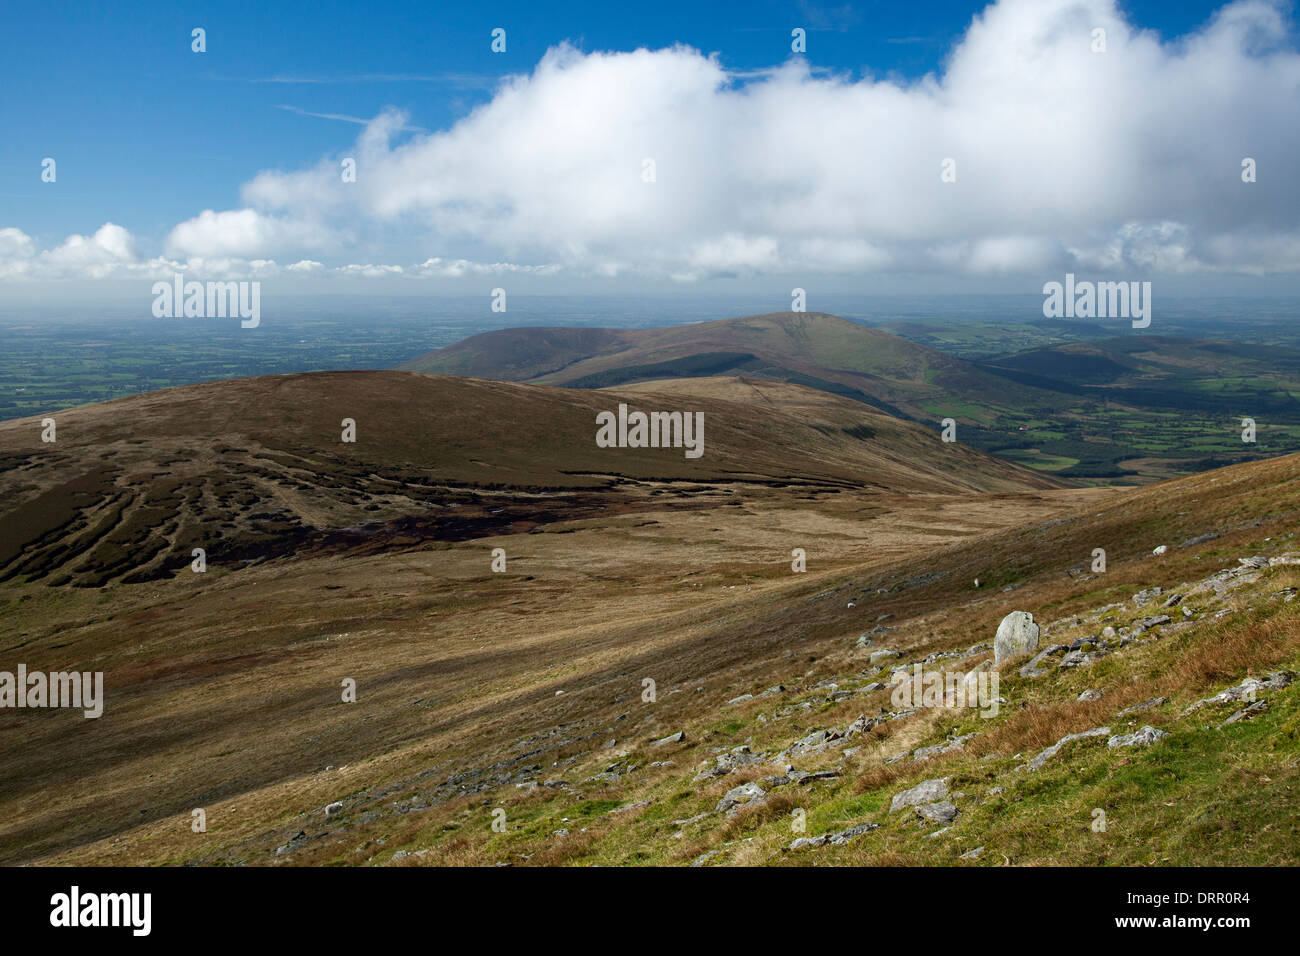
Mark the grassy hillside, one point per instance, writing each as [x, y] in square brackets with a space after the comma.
[523, 691]
[255, 469]
[812, 729]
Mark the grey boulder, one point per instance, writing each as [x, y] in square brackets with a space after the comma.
[929, 791]
[1017, 635]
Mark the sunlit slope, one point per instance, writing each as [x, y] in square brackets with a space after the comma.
[253, 469]
[225, 695]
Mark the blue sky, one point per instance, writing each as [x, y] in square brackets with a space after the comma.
[148, 134]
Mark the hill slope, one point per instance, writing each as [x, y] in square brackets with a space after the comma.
[255, 469]
[525, 691]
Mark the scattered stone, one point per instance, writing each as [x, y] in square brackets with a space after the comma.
[737, 797]
[974, 854]
[631, 806]
[812, 743]
[741, 699]
[1033, 670]
[1246, 690]
[1246, 713]
[1144, 738]
[689, 820]
[1147, 596]
[677, 738]
[1090, 695]
[802, 842]
[942, 812]
[862, 725]
[956, 743]
[1145, 705]
[819, 775]
[1049, 752]
[725, 763]
[835, 839]
[1146, 623]
[844, 836]
[1076, 659]
[928, 791]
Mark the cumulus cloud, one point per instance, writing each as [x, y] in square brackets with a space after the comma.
[243, 232]
[109, 253]
[1128, 159]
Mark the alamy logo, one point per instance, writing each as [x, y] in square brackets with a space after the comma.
[948, 689]
[103, 909]
[1098, 300]
[655, 430]
[208, 300]
[75, 689]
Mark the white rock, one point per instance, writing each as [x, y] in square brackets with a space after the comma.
[1017, 635]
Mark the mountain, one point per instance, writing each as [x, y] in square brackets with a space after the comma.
[255, 469]
[1126, 409]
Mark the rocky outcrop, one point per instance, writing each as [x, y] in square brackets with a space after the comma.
[1050, 752]
[834, 839]
[1140, 738]
[942, 811]
[738, 797]
[1246, 690]
[926, 792]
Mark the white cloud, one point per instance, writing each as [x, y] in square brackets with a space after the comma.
[1126, 160]
[243, 232]
[109, 253]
